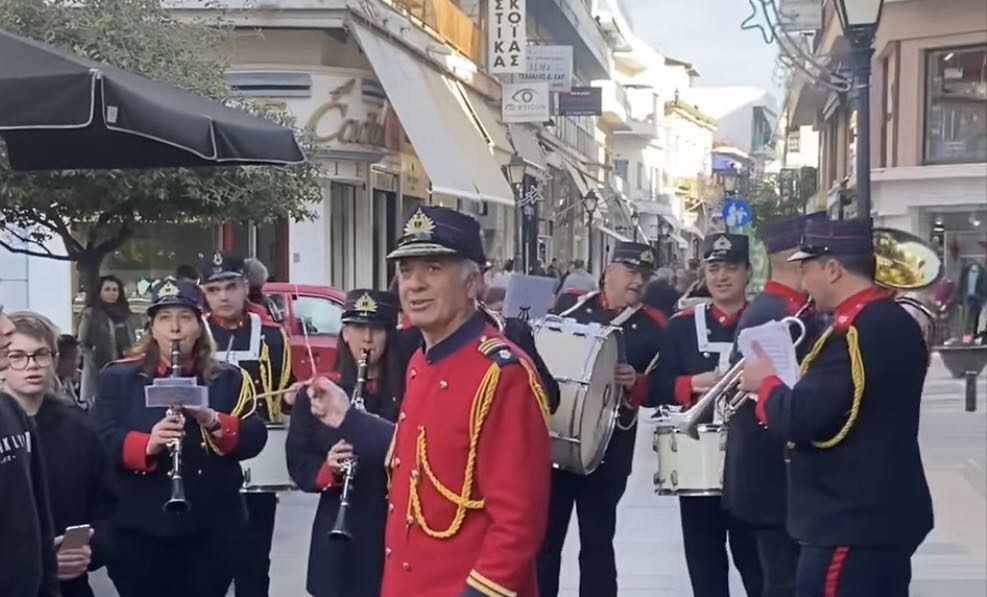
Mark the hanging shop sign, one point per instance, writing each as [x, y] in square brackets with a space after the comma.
[525, 102]
[551, 64]
[507, 36]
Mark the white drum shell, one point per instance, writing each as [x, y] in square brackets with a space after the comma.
[268, 471]
[582, 358]
[688, 467]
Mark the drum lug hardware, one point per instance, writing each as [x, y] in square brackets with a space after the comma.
[675, 443]
[674, 477]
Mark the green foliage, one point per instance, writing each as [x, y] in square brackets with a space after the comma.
[95, 212]
[768, 204]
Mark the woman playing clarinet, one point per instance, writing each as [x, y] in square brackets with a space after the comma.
[346, 557]
[187, 458]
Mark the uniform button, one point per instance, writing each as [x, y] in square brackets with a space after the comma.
[402, 416]
[589, 310]
[409, 521]
[387, 552]
[483, 339]
[443, 384]
[406, 566]
[633, 326]
[396, 462]
[390, 507]
[412, 373]
[414, 473]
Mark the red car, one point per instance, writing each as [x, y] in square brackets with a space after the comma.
[319, 309]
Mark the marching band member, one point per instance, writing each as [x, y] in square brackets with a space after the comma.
[315, 453]
[754, 482]
[263, 351]
[469, 459]
[595, 496]
[858, 499]
[696, 348]
[157, 553]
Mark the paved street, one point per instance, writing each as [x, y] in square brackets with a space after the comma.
[952, 562]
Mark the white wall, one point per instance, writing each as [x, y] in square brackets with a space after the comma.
[38, 284]
[308, 246]
[733, 108]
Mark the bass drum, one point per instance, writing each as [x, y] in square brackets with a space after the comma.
[582, 358]
[268, 471]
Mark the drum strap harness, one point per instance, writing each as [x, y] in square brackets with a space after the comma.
[722, 349]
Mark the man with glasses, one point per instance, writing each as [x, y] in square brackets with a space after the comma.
[595, 496]
[27, 555]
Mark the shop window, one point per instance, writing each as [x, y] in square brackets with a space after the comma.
[956, 105]
[318, 315]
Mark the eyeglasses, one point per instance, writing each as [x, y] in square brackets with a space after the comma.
[19, 360]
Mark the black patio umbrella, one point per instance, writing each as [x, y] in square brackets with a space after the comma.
[61, 111]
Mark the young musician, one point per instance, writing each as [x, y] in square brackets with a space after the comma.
[469, 461]
[316, 453]
[76, 464]
[595, 496]
[858, 502]
[243, 338]
[754, 481]
[158, 553]
[696, 349]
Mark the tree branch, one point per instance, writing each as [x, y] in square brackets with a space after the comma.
[58, 225]
[31, 253]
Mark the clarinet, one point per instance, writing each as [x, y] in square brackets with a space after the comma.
[340, 530]
[177, 503]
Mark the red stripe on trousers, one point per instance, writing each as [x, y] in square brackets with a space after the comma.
[835, 570]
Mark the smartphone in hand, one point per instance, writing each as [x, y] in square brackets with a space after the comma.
[76, 537]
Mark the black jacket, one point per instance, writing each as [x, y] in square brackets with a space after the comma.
[340, 569]
[869, 488]
[79, 477]
[754, 476]
[27, 539]
[212, 482]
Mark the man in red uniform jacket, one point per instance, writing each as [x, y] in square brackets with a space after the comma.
[469, 457]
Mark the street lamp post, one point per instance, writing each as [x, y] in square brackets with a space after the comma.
[590, 202]
[859, 19]
[516, 171]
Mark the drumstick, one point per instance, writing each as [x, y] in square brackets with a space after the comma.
[274, 393]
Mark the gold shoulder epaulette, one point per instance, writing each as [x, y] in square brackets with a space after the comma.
[498, 351]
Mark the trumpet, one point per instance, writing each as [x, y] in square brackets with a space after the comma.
[727, 393]
[176, 504]
[340, 529]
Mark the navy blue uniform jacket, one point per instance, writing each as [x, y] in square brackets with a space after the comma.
[212, 481]
[855, 471]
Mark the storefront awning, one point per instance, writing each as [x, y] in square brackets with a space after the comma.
[612, 233]
[577, 178]
[492, 126]
[526, 144]
[456, 158]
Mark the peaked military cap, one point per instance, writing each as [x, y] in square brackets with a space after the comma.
[840, 238]
[374, 307]
[170, 292]
[638, 255]
[732, 248]
[219, 267]
[433, 230]
[786, 233]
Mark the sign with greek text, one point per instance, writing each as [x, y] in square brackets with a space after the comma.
[507, 36]
[525, 102]
[552, 64]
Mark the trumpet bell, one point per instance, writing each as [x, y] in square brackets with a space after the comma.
[904, 261]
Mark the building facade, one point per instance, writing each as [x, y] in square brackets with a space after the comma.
[928, 123]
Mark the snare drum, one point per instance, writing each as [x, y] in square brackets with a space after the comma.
[688, 467]
[268, 471]
[582, 358]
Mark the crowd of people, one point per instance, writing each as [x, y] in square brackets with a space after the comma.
[430, 446]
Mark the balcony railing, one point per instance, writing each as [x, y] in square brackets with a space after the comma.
[451, 23]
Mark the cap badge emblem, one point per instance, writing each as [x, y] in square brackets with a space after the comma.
[722, 244]
[419, 224]
[365, 304]
[217, 259]
[168, 289]
[647, 257]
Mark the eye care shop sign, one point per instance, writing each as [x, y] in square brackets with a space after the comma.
[508, 36]
[525, 102]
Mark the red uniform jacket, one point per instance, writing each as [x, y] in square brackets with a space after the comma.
[473, 424]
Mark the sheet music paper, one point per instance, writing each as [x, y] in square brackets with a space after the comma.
[530, 296]
[775, 339]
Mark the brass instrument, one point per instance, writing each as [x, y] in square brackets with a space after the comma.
[726, 393]
[903, 262]
[176, 504]
[340, 529]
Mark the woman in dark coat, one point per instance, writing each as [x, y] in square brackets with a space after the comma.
[349, 568]
[107, 332]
